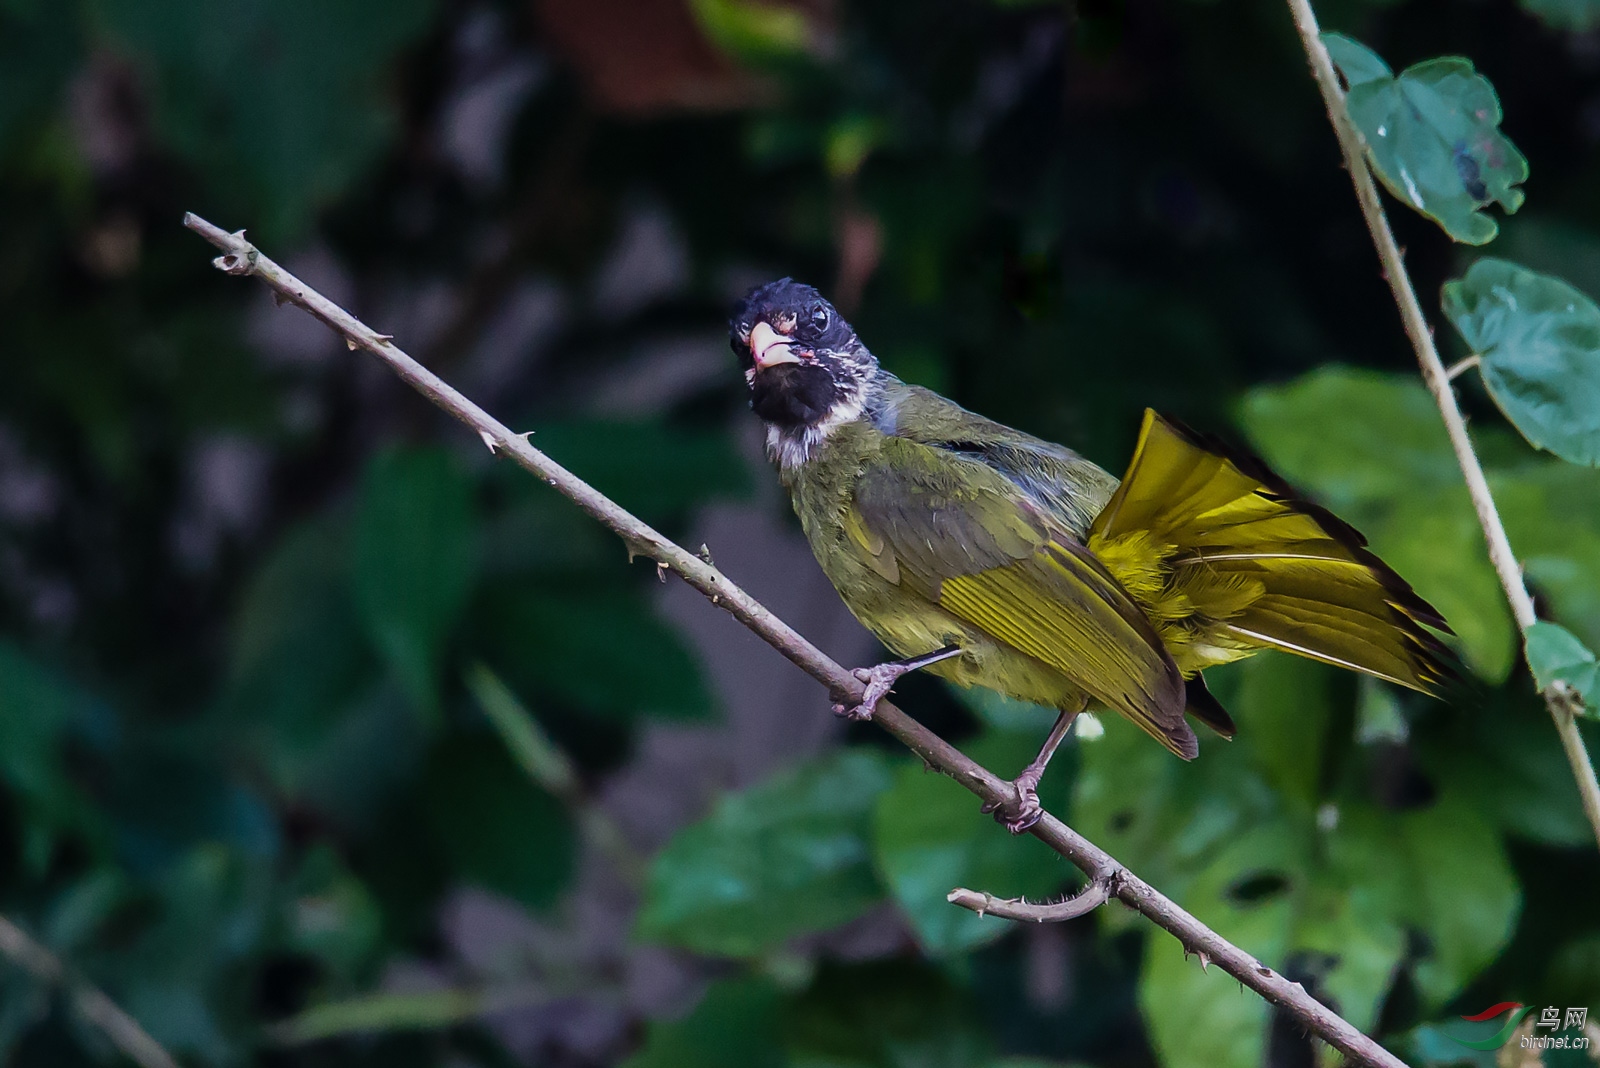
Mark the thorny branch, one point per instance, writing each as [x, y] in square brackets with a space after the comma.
[1085, 901]
[1353, 146]
[239, 257]
[123, 1030]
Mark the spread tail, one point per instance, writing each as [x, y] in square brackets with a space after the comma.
[1226, 559]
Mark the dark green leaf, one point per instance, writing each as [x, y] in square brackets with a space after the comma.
[1289, 749]
[1539, 340]
[601, 649]
[302, 689]
[1433, 137]
[1435, 1045]
[212, 912]
[1306, 430]
[929, 837]
[1338, 906]
[332, 918]
[783, 858]
[1555, 655]
[1572, 16]
[37, 710]
[1462, 894]
[281, 105]
[736, 1025]
[414, 560]
[1552, 514]
[884, 1015]
[1501, 752]
[498, 829]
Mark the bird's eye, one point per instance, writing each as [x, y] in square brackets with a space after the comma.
[819, 318]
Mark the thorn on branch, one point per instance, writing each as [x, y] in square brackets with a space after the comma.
[488, 440]
[1085, 901]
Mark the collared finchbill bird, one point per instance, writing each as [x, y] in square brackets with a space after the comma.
[993, 558]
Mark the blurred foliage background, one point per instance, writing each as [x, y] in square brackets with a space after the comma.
[327, 740]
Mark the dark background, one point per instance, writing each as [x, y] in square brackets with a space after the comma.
[244, 573]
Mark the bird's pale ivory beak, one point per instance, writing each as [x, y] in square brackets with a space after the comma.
[770, 347]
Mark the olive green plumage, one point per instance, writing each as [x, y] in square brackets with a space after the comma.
[1061, 585]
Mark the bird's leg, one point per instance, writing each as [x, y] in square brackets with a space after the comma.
[881, 679]
[1027, 810]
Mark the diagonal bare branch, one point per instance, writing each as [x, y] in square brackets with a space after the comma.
[1437, 378]
[239, 257]
[110, 1019]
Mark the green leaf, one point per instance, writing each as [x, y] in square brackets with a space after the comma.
[1336, 902]
[891, 1014]
[1539, 340]
[754, 30]
[1551, 511]
[1358, 63]
[779, 859]
[929, 837]
[303, 690]
[524, 738]
[736, 1025]
[332, 918]
[281, 105]
[383, 1013]
[1288, 749]
[1305, 431]
[1571, 16]
[1501, 751]
[601, 649]
[213, 912]
[1433, 137]
[414, 562]
[498, 829]
[1461, 893]
[1555, 655]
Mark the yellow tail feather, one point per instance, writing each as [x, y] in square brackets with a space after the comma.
[1226, 559]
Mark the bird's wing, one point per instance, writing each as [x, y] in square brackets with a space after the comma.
[962, 535]
[1069, 488]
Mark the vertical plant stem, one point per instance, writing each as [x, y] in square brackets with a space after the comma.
[1437, 378]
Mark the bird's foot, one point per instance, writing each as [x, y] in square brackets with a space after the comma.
[880, 679]
[1020, 815]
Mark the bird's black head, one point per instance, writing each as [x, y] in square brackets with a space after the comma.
[805, 365]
